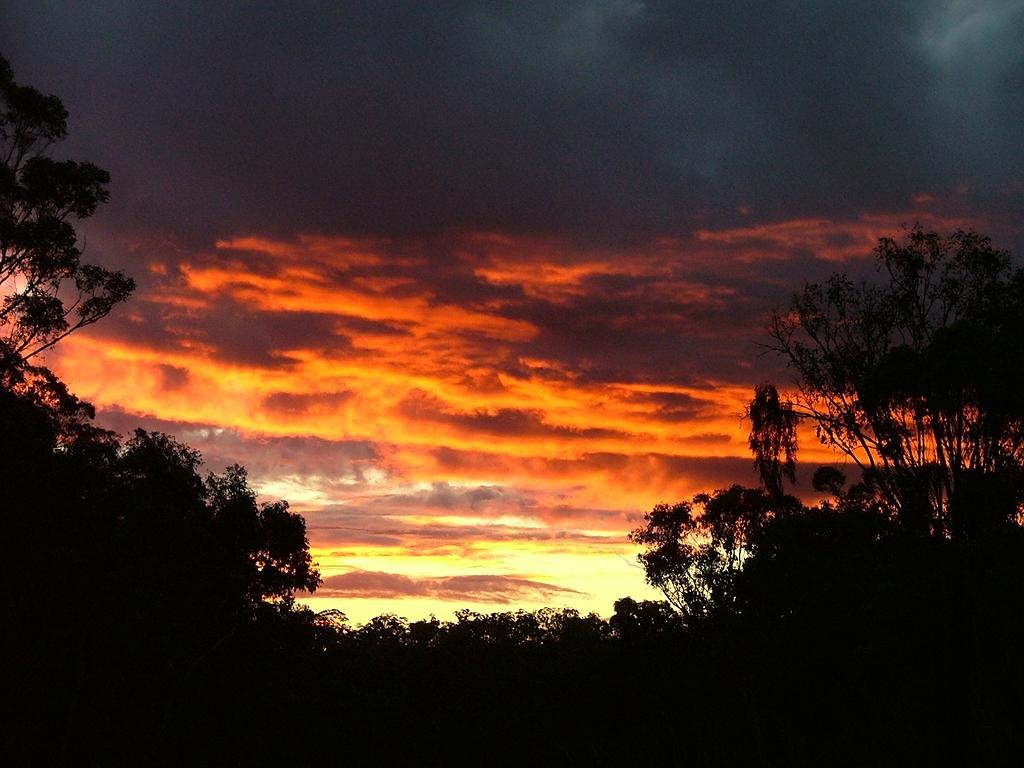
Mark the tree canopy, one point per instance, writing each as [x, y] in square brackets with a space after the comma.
[48, 291]
[122, 568]
[916, 379]
[694, 552]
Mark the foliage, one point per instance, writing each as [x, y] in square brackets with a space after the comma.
[643, 621]
[273, 551]
[47, 291]
[772, 438]
[121, 566]
[119, 493]
[917, 380]
[694, 551]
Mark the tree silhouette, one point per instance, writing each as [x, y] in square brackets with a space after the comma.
[273, 551]
[144, 577]
[917, 379]
[47, 291]
[643, 620]
[772, 438]
[694, 551]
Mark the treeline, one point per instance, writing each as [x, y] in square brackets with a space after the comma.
[149, 620]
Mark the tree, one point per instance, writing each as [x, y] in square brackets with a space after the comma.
[126, 580]
[694, 551]
[917, 379]
[260, 551]
[272, 551]
[642, 620]
[47, 291]
[129, 584]
[772, 438]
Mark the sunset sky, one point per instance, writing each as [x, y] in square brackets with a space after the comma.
[474, 285]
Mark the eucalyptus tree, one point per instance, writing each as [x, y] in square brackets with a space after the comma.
[47, 290]
[916, 379]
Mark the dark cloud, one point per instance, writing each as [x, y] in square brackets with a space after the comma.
[503, 422]
[477, 588]
[463, 541]
[442, 495]
[439, 497]
[633, 339]
[371, 520]
[240, 334]
[296, 403]
[342, 461]
[434, 521]
[233, 331]
[172, 377]
[611, 119]
[672, 406]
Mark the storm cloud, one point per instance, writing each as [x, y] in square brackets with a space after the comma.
[605, 120]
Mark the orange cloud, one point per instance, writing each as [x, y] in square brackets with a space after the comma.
[826, 238]
[510, 401]
[492, 589]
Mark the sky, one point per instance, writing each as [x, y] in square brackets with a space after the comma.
[473, 285]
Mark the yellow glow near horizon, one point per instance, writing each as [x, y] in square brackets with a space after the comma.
[417, 410]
